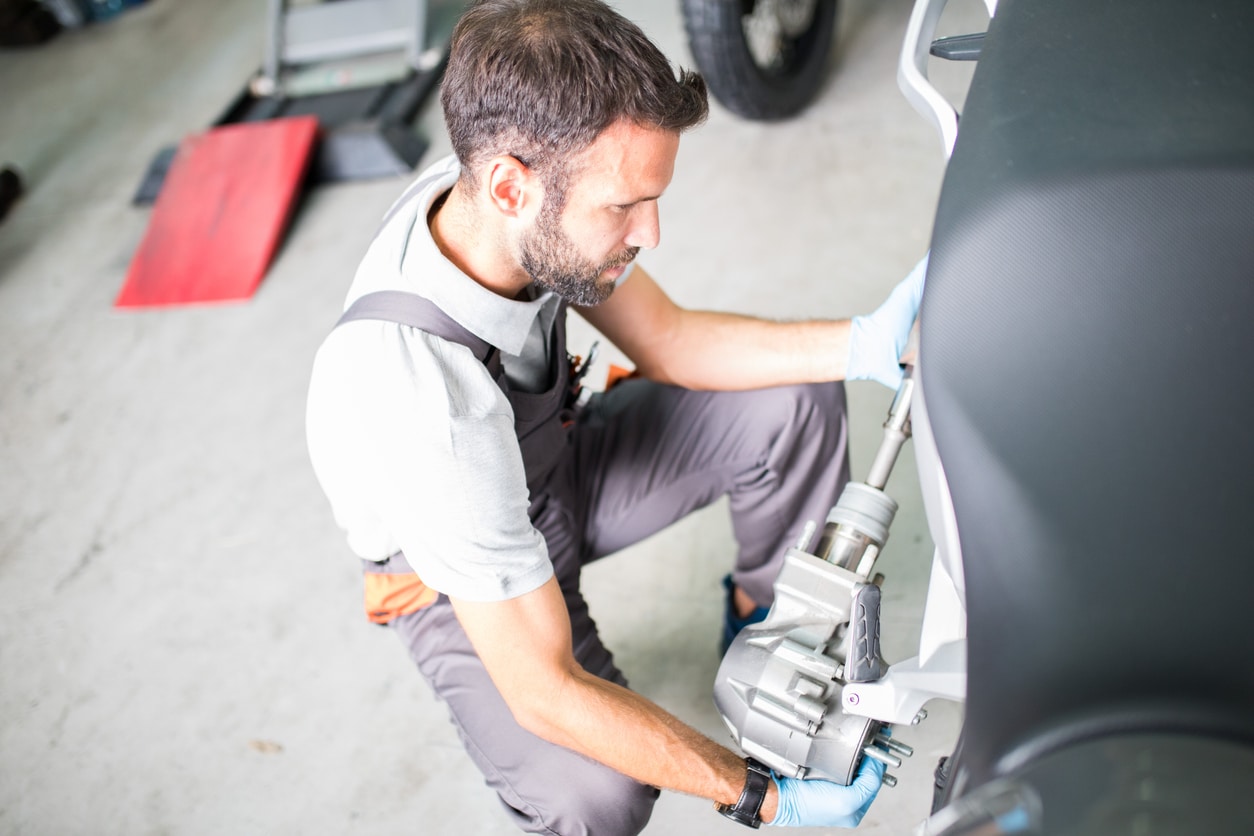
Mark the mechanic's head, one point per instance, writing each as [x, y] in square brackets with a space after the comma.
[589, 111]
[539, 80]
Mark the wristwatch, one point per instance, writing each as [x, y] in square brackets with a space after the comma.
[747, 807]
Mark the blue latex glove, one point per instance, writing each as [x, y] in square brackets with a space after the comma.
[824, 804]
[877, 340]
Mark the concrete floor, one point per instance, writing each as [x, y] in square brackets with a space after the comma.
[181, 644]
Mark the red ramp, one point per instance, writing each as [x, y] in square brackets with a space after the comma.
[221, 214]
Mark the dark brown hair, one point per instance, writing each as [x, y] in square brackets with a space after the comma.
[540, 79]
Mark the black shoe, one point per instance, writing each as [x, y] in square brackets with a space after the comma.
[732, 623]
[10, 190]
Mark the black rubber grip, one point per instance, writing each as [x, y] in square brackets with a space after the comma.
[864, 663]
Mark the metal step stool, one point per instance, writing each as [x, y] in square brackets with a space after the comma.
[362, 67]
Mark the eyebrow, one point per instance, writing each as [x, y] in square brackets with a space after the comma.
[639, 200]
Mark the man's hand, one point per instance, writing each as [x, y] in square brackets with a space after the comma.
[878, 340]
[824, 804]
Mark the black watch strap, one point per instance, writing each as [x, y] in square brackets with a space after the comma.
[747, 807]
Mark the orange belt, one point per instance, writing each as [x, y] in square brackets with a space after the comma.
[391, 595]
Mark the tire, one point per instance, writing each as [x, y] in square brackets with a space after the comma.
[762, 59]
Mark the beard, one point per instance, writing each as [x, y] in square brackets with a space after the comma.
[553, 262]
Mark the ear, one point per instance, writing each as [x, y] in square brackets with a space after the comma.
[513, 188]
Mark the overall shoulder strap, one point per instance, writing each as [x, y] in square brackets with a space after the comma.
[421, 313]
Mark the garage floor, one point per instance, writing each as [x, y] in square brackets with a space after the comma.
[181, 644]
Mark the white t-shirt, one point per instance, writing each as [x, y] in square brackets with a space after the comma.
[410, 438]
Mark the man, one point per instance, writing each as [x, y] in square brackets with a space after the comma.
[443, 425]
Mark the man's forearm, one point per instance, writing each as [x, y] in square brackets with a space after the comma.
[723, 351]
[525, 645]
[716, 350]
[638, 738]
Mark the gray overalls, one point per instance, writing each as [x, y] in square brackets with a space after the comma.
[631, 462]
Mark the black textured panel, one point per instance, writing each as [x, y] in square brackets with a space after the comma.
[1086, 340]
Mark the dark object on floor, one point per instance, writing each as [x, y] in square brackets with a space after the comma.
[101, 10]
[150, 186]
[10, 190]
[26, 23]
[366, 131]
[225, 206]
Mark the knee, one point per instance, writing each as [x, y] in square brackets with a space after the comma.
[807, 425]
[593, 802]
[821, 400]
[786, 413]
[617, 805]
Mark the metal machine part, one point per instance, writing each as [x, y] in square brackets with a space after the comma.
[780, 685]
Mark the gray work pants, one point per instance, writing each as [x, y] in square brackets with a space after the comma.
[642, 456]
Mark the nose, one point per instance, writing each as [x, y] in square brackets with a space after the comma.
[646, 228]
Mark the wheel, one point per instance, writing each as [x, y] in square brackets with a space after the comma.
[762, 59]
